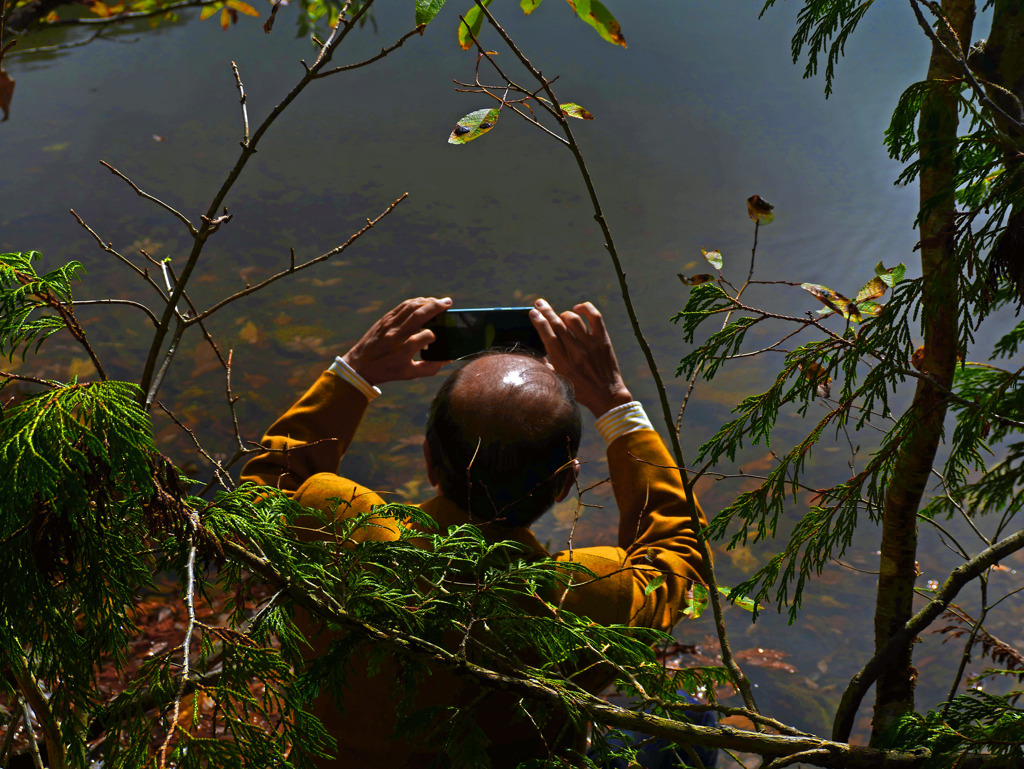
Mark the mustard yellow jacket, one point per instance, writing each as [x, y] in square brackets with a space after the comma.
[655, 538]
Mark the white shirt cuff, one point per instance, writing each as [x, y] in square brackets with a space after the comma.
[346, 372]
[621, 420]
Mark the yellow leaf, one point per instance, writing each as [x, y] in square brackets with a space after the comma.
[209, 10]
[241, 7]
[225, 18]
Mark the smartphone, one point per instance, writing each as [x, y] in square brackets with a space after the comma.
[458, 333]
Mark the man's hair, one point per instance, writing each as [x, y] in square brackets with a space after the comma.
[502, 450]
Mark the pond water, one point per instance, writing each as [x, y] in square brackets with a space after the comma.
[704, 109]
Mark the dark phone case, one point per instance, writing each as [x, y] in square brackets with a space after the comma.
[459, 333]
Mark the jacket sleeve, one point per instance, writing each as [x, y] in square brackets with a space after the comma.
[656, 540]
[303, 448]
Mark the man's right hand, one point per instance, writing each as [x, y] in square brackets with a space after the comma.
[582, 354]
[388, 350]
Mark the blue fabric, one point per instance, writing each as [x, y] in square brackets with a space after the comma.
[658, 753]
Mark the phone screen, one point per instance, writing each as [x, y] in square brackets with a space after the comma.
[459, 333]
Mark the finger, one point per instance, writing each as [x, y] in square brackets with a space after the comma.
[420, 310]
[544, 320]
[418, 341]
[593, 316]
[575, 325]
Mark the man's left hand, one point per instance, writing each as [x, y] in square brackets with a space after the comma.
[388, 350]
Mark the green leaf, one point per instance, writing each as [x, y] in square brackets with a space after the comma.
[529, 6]
[426, 10]
[891, 276]
[871, 309]
[654, 584]
[475, 124]
[209, 10]
[601, 19]
[747, 604]
[697, 602]
[576, 111]
[714, 257]
[471, 23]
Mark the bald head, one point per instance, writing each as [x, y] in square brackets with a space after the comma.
[501, 433]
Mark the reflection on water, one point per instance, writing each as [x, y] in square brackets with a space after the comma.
[704, 109]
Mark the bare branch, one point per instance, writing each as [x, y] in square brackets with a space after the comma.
[192, 230]
[293, 268]
[128, 302]
[383, 52]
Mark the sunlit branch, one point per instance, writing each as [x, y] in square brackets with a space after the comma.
[241, 101]
[185, 650]
[88, 22]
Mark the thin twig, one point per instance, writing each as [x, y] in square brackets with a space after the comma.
[383, 52]
[127, 302]
[293, 268]
[33, 745]
[58, 47]
[338, 34]
[186, 652]
[241, 99]
[170, 209]
[109, 248]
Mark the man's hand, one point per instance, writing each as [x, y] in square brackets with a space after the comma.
[387, 351]
[582, 355]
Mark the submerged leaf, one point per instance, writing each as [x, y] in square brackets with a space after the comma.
[760, 210]
[695, 280]
[576, 111]
[714, 257]
[475, 124]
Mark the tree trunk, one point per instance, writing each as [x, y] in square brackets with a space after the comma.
[937, 131]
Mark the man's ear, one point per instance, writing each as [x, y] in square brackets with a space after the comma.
[429, 462]
[570, 480]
